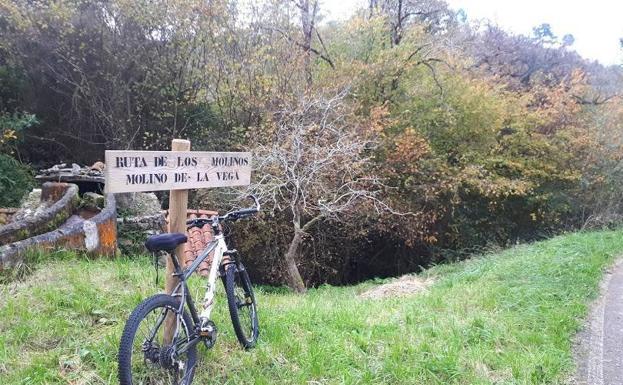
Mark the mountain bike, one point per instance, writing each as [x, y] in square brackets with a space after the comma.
[160, 338]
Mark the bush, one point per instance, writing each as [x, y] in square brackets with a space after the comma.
[16, 180]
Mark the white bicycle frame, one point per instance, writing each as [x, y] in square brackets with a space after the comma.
[219, 247]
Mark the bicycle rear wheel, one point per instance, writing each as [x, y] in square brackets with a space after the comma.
[144, 357]
[242, 305]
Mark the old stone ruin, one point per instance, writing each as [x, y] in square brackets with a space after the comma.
[70, 211]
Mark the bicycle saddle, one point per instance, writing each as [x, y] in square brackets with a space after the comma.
[166, 241]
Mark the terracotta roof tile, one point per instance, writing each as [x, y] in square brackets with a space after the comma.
[197, 240]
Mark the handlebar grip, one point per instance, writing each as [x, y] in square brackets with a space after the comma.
[248, 211]
[197, 222]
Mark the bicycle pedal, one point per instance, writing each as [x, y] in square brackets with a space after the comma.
[207, 332]
[207, 328]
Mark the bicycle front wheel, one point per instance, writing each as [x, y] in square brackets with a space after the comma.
[144, 355]
[242, 305]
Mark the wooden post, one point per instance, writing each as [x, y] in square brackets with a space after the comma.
[178, 206]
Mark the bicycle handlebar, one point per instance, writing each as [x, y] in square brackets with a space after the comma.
[230, 216]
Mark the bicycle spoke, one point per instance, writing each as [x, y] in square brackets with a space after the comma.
[148, 354]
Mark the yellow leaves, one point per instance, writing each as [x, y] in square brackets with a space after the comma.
[6, 138]
[9, 134]
[476, 179]
[379, 119]
[10, 10]
[430, 239]
[557, 105]
[409, 148]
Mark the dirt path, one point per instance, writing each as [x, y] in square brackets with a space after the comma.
[599, 347]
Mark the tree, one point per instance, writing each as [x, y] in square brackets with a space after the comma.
[308, 38]
[401, 14]
[13, 121]
[543, 34]
[314, 166]
[520, 60]
[111, 74]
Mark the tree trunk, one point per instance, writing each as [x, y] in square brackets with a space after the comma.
[308, 20]
[293, 277]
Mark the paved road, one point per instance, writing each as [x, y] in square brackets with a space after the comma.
[599, 350]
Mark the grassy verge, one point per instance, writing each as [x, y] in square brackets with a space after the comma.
[504, 318]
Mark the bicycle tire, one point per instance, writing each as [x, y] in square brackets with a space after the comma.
[140, 313]
[236, 276]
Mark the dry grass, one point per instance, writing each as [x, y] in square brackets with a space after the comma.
[400, 287]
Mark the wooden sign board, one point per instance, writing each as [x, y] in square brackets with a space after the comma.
[133, 171]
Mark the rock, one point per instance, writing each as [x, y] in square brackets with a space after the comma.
[57, 167]
[140, 215]
[93, 200]
[87, 178]
[124, 201]
[138, 204]
[75, 169]
[31, 206]
[98, 166]
[149, 223]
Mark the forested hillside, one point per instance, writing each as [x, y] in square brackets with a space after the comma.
[403, 136]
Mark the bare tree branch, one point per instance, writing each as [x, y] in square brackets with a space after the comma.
[316, 168]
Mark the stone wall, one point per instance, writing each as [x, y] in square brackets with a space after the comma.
[6, 214]
[97, 235]
[65, 201]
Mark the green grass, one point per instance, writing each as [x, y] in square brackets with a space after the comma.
[505, 318]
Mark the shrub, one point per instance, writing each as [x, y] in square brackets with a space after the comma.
[16, 180]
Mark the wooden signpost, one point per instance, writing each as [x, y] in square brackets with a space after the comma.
[177, 170]
[132, 171]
